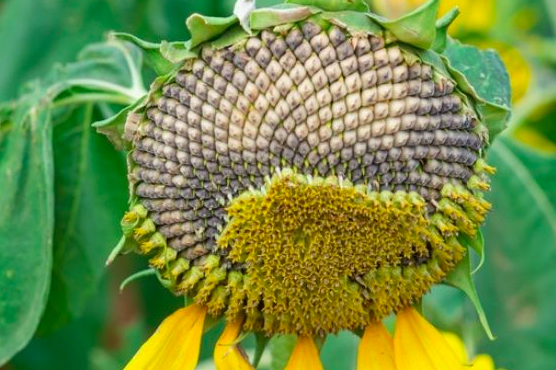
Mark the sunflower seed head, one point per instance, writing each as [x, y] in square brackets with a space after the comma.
[310, 107]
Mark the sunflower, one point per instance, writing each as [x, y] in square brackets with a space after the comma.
[314, 173]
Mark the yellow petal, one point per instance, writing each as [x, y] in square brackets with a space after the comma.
[176, 343]
[457, 346]
[305, 356]
[227, 354]
[483, 362]
[419, 346]
[376, 349]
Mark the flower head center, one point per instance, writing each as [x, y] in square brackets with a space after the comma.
[322, 256]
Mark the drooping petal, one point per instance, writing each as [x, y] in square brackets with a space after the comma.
[457, 346]
[376, 349]
[227, 354]
[483, 362]
[419, 346]
[305, 355]
[175, 344]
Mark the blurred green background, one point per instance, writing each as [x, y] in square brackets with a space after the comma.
[89, 324]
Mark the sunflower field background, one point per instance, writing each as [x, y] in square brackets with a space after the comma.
[69, 311]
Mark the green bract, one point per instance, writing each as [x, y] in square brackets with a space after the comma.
[418, 29]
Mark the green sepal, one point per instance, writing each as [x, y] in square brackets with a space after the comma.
[461, 279]
[204, 28]
[442, 25]
[482, 75]
[261, 341]
[153, 55]
[168, 284]
[279, 15]
[113, 127]
[231, 37]
[176, 52]
[416, 28]
[427, 57]
[478, 245]
[124, 246]
[135, 276]
[354, 22]
[334, 5]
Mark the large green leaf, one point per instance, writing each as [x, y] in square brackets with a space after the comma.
[518, 279]
[90, 188]
[26, 225]
[85, 178]
[36, 34]
[71, 346]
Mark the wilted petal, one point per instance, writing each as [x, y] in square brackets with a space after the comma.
[176, 343]
[376, 349]
[419, 346]
[305, 356]
[227, 355]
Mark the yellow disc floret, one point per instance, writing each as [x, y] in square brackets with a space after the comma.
[322, 255]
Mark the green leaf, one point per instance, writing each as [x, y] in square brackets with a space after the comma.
[478, 245]
[416, 28]
[69, 347]
[153, 54]
[334, 5]
[26, 226]
[482, 74]
[204, 28]
[461, 278]
[518, 279]
[90, 193]
[442, 25]
[87, 184]
[275, 16]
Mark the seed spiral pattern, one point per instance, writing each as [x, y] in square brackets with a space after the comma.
[322, 103]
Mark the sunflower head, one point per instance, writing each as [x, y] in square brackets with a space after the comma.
[312, 175]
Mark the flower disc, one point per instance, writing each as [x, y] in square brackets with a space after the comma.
[306, 178]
